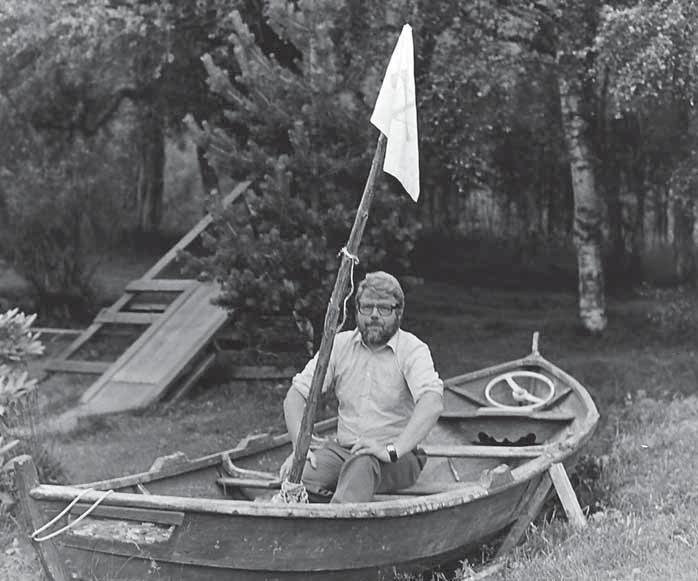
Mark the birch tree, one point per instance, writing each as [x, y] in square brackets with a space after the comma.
[502, 44]
[575, 25]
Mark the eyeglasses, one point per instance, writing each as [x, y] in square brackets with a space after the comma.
[383, 310]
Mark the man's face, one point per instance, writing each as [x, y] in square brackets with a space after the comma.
[376, 328]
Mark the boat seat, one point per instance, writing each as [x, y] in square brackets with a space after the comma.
[490, 412]
[470, 489]
[418, 489]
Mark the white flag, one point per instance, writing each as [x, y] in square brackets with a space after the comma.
[395, 114]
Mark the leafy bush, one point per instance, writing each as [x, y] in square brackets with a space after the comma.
[17, 344]
[60, 198]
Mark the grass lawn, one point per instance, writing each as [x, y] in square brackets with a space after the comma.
[641, 373]
[647, 527]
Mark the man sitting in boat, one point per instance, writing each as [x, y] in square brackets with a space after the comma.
[389, 395]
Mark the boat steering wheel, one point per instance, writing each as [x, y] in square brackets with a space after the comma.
[518, 393]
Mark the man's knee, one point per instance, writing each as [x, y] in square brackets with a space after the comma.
[362, 466]
[319, 483]
[358, 480]
[321, 480]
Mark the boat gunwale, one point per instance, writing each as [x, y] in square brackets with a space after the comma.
[552, 453]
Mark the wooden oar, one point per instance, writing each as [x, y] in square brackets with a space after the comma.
[332, 315]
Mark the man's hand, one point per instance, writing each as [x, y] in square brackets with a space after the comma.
[371, 447]
[285, 469]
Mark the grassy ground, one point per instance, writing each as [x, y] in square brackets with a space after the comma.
[648, 526]
[639, 374]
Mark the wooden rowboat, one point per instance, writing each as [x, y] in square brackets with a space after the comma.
[211, 518]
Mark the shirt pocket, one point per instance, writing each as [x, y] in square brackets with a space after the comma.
[388, 389]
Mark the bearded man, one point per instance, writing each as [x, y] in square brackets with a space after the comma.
[389, 396]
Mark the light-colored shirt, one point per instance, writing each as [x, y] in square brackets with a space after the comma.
[376, 389]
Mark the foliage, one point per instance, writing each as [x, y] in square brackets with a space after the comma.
[646, 64]
[71, 69]
[5, 467]
[468, 88]
[62, 204]
[300, 131]
[17, 344]
[491, 115]
[649, 51]
[54, 53]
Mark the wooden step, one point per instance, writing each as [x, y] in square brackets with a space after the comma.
[147, 307]
[107, 316]
[160, 285]
[77, 366]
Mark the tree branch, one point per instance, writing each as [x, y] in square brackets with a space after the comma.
[86, 120]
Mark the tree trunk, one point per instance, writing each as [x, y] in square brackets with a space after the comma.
[587, 213]
[208, 175]
[151, 172]
[684, 222]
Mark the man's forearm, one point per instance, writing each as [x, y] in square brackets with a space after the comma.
[424, 417]
[294, 406]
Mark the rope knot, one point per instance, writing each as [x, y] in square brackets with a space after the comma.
[354, 259]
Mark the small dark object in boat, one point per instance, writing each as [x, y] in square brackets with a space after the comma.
[486, 440]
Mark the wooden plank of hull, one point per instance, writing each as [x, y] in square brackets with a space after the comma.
[276, 546]
[123, 568]
[497, 414]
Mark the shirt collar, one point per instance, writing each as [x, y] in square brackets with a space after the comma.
[392, 342]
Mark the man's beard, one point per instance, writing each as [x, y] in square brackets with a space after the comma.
[377, 334]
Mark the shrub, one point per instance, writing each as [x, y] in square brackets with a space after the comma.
[17, 344]
[58, 199]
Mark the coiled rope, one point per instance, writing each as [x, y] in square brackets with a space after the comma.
[354, 261]
[291, 492]
[35, 535]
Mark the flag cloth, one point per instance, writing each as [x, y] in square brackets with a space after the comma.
[395, 114]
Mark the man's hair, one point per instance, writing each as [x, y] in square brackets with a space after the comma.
[384, 283]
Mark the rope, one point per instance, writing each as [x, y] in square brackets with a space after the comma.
[35, 535]
[291, 492]
[354, 261]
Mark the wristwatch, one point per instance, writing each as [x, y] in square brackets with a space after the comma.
[392, 452]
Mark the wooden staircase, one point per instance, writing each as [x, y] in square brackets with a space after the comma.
[177, 324]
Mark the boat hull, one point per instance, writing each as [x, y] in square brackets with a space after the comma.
[249, 547]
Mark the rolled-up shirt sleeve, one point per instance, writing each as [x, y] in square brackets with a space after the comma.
[420, 374]
[302, 380]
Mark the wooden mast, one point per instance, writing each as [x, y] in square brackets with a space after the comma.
[332, 315]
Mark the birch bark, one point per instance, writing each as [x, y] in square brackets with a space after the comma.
[587, 206]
